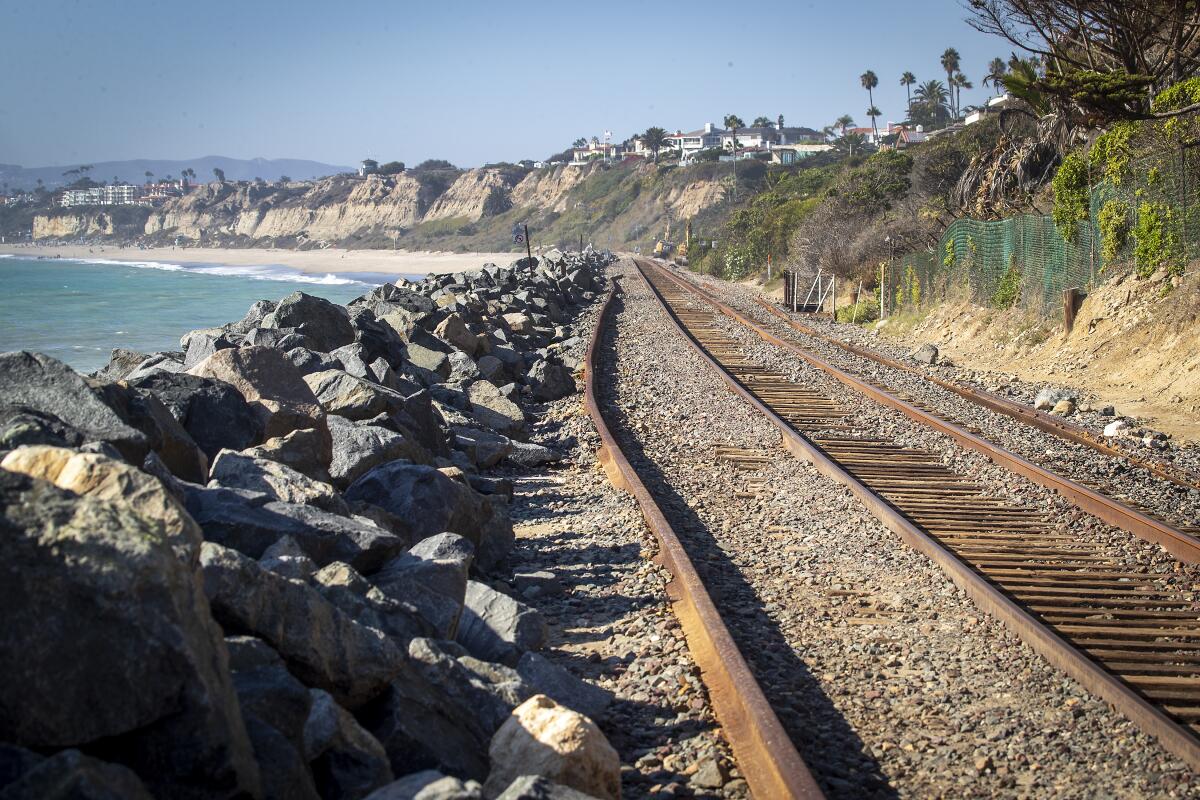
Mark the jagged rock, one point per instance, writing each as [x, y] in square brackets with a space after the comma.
[496, 627]
[270, 384]
[531, 455]
[462, 367]
[1064, 407]
[156, 363]
[550, 381]
[925, 354]
[279, 338]
[484, 448]
[251, 523]
[494, 410]
[288, 559]
[454, 331]
[352, 357]
[1120, 427]
[166, 436]
[543, 738]
[496, 538]
[537, 583]
[546, 677]
[326, 324]
[305, 450]
[518, 322]
[21, 426]
[284, 772]
[442, 712]
[429, 785]
[46, 385]
[265, 688]
[107, 635]
[308, 361]
[359, 448]
[212, 412]
[347, 762]
[537, 787]
[329, 651]
[365, 603]
[426, 358]
[1048, 396]
[353, 398]
[199, 345]
[70, 775]
[121, 362]
[105, 479]
[432, 576]
[241, 471]
[428, 499]
[492, 369]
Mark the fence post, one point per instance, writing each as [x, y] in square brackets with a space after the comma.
[1070, 306]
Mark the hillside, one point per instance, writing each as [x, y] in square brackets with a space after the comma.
[617, 206]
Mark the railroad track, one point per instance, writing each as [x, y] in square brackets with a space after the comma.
[1127, 634]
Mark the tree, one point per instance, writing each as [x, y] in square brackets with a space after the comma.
[1103, 60]
[996, 70]
[285, 179]
[960, 82]
[440, 163]
[580, 142]
[391, 168]
[907, 80]
[654, 139]
[950, 63]
[149, 176]
[850, 144]
[219, 174]
[931, 105]
[843, 122]
[869, 81]
[733, 122]
[761, 122]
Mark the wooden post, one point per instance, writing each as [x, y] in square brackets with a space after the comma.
[1070, 304]
[528, 250]
[768, 267]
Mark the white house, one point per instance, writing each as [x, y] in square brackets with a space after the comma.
[693, 142]
[791, 153]
[369, 166]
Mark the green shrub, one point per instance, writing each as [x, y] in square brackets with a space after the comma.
[1008, 291]
[1114, 229]
[1181, 95]
[868, 311]
[1070, 195]
[1156, 243]
[1112, 150]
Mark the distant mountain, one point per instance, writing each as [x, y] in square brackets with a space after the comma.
[236, 169]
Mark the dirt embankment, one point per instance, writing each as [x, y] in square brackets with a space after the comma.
[1135, 345]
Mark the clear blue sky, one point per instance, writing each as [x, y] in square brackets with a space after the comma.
[98, 80]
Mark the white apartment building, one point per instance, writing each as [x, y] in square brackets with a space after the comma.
[122, 194]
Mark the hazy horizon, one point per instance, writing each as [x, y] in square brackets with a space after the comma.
[471, 82]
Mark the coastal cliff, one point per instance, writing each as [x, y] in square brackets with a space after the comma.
[611, 205]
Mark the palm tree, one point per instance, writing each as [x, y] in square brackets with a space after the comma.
[960, 83]
[761, 122]
[996, 70]
[931, 103]
[653, 140]
[733, 122]
[907, 80]
[843, 122]
[149, 175]
[950, 63]
[869, 81]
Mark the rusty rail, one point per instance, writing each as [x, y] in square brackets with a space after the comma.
[1049, 598]
[765, 754]
[993, 402]
[1180, 544]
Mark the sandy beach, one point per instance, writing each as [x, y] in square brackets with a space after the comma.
[332, 260]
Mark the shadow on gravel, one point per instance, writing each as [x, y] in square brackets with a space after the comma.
[829, 745]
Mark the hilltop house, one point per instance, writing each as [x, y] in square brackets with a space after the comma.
[369, 166]
[122, 194]
[688, 144]
[596, 150]
[791, 153]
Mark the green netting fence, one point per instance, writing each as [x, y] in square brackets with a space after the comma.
[1146, 215]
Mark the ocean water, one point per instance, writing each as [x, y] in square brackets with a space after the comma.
[77, 311]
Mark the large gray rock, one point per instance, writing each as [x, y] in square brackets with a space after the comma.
[434, 361]
[454, 331]
[550, 381]
[166, 436]
[121, 362]
[329, 651]
[284, 772]
[199, 345]
[346, 396]
[347, 762]
[324, 323]
[359, 448]
[546, 677]
[441, 711]
[48, 386]
[426, 497]
[22, 426]
[366, 604]
[429, 784]
[496, 627]
[212, 412]
[309, 361]
[538, 787]
[251, 523]
[528, 454]
[107, 635]
[432, 577]
[70, 775]
[305, 450]
[494, 410]
[241, 471]
[925, 354]
[270, 383]
[484, 448]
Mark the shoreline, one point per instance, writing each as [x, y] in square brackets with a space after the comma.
[333, 260]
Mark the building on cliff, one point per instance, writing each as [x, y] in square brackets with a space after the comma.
[122, 194]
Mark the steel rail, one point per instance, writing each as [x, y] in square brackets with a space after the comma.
[1180, 544]
[1042, 638]
[765, 754]
[993, 402]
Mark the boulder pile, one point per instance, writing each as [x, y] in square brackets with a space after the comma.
[264, 565]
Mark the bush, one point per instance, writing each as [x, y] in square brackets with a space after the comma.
[1156, 243]
[1114, 229]
[1009, 289]
[1071, 195]
[868, 311]
[392, 168]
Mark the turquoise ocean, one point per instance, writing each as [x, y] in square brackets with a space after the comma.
[77, 311]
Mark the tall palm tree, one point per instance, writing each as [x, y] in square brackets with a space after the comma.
[907, 80]
[761, 122]
[869, 81]
[996, 71]
[843, 122]
[932, 101]
[654, 139]
[733, 122]
[950, 62]
[960, 82]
